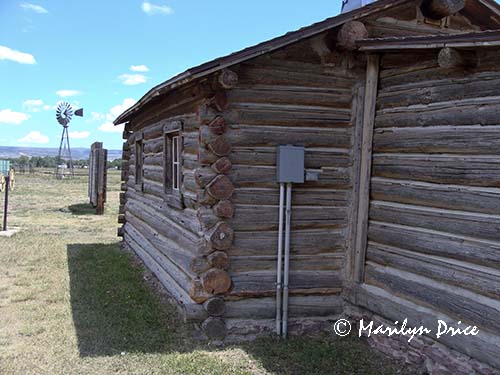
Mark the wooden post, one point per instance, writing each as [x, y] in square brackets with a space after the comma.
[372, 71]
[6, 203]
[97, 176]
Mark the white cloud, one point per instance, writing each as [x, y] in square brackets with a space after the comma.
[139, 68]
[79, 135]
[34, 137]
[7, 53]
[151, 9]
[8, 116]
[113, 113]
[35, 8]
[132, 79]
[66, 93]
[33, 105]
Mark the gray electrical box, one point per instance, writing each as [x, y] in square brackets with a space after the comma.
[290, 164]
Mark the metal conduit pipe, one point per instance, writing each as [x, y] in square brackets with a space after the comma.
[279, 260]
[288, 220]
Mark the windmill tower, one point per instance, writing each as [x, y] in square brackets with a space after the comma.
[64, 162]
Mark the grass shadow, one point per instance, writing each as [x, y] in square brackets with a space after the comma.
[113, 309]
[81, 209]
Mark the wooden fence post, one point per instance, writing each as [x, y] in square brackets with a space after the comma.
[97, 176]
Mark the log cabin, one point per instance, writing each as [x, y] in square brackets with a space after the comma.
[396, 108]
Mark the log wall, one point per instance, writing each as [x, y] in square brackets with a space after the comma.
[434, 217]
[291, 98]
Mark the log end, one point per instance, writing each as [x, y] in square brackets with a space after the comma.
[216, 281]
[214, 328]
[349, 33]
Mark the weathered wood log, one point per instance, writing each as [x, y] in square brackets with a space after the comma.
[121, 219]
[220, 188]
[215, 306]
[197, 292]
[450, 300]
[207, 217]
[484, 346]
[450, 58]
[215, 281]
[206, 136]
[220, 237]
[437, 9]
[200, 265]
[218, 259]
[206, 114]
[309, 262]
[222, 165]
[219, 101]
[120, 232]
[224, 209]
[205, 199]
[466, 275]
[203, 176]
[218, 125]
[227, 79]
[349, 33]
[206, 157]
[214, 328]
[220, 146]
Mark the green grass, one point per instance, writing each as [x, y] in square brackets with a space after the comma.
[73, 302]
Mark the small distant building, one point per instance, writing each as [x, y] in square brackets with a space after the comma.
[397, 106]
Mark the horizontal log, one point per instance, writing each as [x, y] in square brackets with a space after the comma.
[203, 176]
[442, 139]
[243, 135]
[484, 347]
[447, 169]
[460, 303]
[302, 242]
[206, 157]
[476, 251]
[177, 255]
[153, 146]
[189, 310]
[263, 283]
[476, 111]
[180, 277]
[326, 96]
[465, 198]
[314, 157]
[318, 262]
[301, 196]
[279, 75]
[484, 226]
[470, 86]
[437, 9]
[298, 306]
[253, 218]
[265, 177]
[481, 280]
[215, 306]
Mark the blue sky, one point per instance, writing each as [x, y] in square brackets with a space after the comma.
[104, 55]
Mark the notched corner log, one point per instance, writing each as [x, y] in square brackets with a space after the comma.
[218, 125]
[203, 176]
[205, 113]
[219, 259]
[449, 58]
[205, 199]
[220, 187]
[215, 281]
[200, 265]
[349, 33]
[219, 101]
[214, 328]
[437, 9]
[220, 146]
[215, 306]
[224, 209]
[197, 292]
[227, 79]
[220, 237]
[222, 165]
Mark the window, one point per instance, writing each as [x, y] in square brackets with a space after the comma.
[139, 163]
[173, 165]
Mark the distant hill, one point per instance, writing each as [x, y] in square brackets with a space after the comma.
[78, 153]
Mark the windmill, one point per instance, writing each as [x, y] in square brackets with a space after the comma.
[64, 113]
